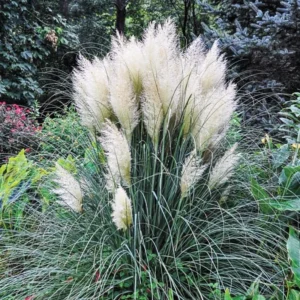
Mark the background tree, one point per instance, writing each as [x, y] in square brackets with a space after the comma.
[33, 37]
[121, 15]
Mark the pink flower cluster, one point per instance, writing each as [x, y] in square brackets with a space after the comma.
[16, 128]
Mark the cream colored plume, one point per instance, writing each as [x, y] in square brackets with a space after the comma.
[213, 70]
[122, 211]
[90, 84]
[161, 76]
[157, 82]
[153, 119]
[214, 114]
[69, 189]
[191, 61]
[208, 103]
[129, 54]
[223, 169]
[192, 171]
[118, 156]
[126, 84]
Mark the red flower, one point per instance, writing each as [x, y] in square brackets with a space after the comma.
[15, 121]
[29, 298]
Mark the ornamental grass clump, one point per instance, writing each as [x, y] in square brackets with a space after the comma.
[151, 225]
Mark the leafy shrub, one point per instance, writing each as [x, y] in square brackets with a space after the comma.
[17, 177]
[293, 281]
[291, 121]
[61, 135]
[275, 181]
[27, 47]
[148, 221]
[17, 129]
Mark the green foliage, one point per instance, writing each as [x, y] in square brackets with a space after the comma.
[234, 133]
[275, 183]
[68, 164]
[252, 294]
[188, 16]
[62, 135]
[26, 49]
[293, 282]
[94, 22]
[291, 120]
[16, 178]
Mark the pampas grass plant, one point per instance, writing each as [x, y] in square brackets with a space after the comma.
[152, 224]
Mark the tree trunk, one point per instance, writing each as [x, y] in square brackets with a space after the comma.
[64, 7]
[196, 31]
[187, 5]
[121, 16]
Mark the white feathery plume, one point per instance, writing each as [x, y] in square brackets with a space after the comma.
[118, 156]
[194, 55]
[218, 137]
[161, 75]
[214, 113]
[208, 103]
[122, 210]
[213, 69]
[191, 172]
[223, 169]
[153, 119]
[129, 54]
[69, 189]
[188, 88]
[225, 195]
[90, 84]
[217, 108]
[191, 61]
[127, 59]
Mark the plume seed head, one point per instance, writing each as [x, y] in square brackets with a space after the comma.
[122, 210]
[91, 91]
[191, 172]
[69, 189]
[118, 156]
[223, 169]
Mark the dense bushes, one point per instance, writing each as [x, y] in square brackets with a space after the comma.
[62, 135]
[18, 129]
[31, 40]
